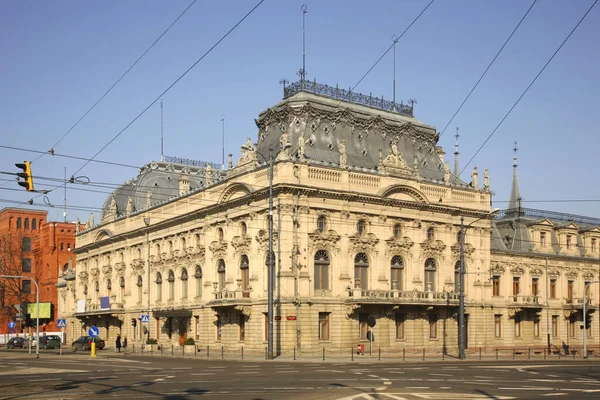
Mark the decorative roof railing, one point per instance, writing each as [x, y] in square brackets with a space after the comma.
[551, 215]
[346, 95]
[192, 163]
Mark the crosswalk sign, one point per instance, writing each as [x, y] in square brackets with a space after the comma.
[145, 318]
[62, 323]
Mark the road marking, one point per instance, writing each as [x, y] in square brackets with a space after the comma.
[418, 387]
[203, 373]
[546, 380]
[243, 366]
[285, 372]
[527, 388]
[246, 373]
[182, 368]
[444, 375]
[387, 383]
[555, 394]
[44, 380]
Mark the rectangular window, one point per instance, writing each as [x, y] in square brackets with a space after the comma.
[396, 278]
[360, 277]
[242, 323]
[555, 326]
[198, 287]
[432, 326]
[570, 291]
[184, 288]
[495, 285]
[516, 285]
[572, 329]
[26, 286]
[587, 291]
[321, 276]
[552, 288]
[568, 241]
[400, 319]
[26, 263]
[429, 280]
[536, 328]
[323, 326]
[534, 286]
[363, 326]
[543, 239]
[593, 245]
[498, 325]
[517, 326]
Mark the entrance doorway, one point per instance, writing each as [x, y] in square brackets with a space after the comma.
[182, 331]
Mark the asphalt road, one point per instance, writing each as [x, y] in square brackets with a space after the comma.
[78, 376]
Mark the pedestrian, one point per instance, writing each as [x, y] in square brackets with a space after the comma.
[125, 343]
[118, 343]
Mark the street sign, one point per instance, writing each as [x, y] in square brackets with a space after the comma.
[291, 317]
[93, 331]
[145, 318]
[62, 323]
[11, 325]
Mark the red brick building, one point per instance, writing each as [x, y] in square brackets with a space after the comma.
[31, 246]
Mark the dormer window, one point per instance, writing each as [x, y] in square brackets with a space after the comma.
[321, 223]
[361, 227]
[593, 245]
[397, 231]
[569, 241]
[543, 239]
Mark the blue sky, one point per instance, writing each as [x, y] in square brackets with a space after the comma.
[59, 57]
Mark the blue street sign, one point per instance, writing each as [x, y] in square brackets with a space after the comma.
[62, 323]
[145, 318]
[11, 324]
[93, 331]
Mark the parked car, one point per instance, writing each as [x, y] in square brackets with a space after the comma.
[85, 343]
[16, 342]
[49, 342]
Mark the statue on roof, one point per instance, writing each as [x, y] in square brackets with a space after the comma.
[395, 158]
[113, 206]
[129, 208]
[447, 173]
[248, 153]
[90, 222]
[77, 226]
[247, 146]
[475, 178]
[486, 180]
[148, 198]
[209, 175]
[342, 149]
[284, 145]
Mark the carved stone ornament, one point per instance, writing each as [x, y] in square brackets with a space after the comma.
[83, 276]
[120, 267]
[469, 249]
[241, 244]
[588, 275]
[568, 312]
[517, 270]
[535, 270]
[432, 248]
[323, 240]
[262, 238]
[363, 243]
[513, 311]
[106, 269]
[351, 308]
[218, 248]
[246, 310]
[394, 164]
[399, 246]
[95, 273]
[498, 269]
[553, 272]
[572, 274]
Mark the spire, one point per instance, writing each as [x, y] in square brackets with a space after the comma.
[456, 169]
[514, 203]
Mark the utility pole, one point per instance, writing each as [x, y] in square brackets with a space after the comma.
[147, 222]
[548, 307]
[270, 263]
[37, 316]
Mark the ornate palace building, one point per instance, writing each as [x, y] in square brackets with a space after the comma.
[367, 222]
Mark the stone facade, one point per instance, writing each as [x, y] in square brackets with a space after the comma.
[366, 223]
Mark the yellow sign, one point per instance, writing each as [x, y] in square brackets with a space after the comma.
[45, 310]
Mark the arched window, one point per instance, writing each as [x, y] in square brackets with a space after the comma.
[397, 231]
[430, 234]
[397, 268]
[243, 229]
[183, 245]
[139, 284]
[108, 287]
[321, 223]
[245, 275]
[457, 277]
[198, 241]
[96, 292]
[171, 284]
[321, 270]
[361, 269]
[157, 249]
[26, 244]
[430, 269]
[158, 286]
[85, 290]
[221, 274]
[33, 224]
[170, 247]
[26, 223]
[458, 236]
[19, 223]
[139, 254]
[198, 276]
[361, 227]
[220, 234]
[122, 288]
[184, 283]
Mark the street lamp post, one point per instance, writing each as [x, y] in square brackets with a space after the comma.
[147, 222]
[37, 313]
[271, 262]
[461, 273]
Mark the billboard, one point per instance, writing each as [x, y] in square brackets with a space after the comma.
[45, 310]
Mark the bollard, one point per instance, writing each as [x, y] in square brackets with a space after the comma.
[529, 353]
[573, 354]
[221, 351]
[242, 352]
[195, 351]
[93, 349]
[379, 354]
[496, 353]
[161, 349]
[142, 350]
[404, 354]
[323, 353]
[172, 349]
[266, 354]
[207, 351]
[423, 354]
[182, 351]
[152, 350]
[544, 354]
[514, 353]
[480, 354]
[294, 353]
[559, 354]
[352, 354]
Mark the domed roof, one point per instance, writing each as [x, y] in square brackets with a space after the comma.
[159, 181]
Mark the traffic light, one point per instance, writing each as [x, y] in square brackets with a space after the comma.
[27, 183]
[28, 322]
[133, 322]
[588, 320]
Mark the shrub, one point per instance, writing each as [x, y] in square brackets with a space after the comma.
[189, 341]
[151, 341]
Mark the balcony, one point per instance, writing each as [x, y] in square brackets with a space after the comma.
[226, 298]
[524, 301]
[376, 296]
